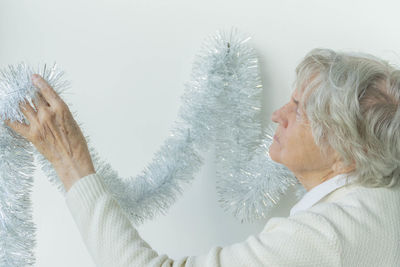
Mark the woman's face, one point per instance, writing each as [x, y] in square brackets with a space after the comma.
[293, 144]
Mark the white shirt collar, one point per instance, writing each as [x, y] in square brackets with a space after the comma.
[318, 192]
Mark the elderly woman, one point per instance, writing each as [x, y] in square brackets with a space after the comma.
[339, 134]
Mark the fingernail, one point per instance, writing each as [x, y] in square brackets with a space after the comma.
[35, 77]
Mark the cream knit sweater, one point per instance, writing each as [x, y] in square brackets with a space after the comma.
[351, 226]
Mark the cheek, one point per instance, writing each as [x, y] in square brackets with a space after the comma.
[302, 152]
[294, 147]
[293, 153]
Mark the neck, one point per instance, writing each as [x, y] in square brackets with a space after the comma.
[311, 179]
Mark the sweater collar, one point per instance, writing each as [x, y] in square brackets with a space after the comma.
[318, 192]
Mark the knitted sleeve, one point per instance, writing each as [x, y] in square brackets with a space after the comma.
[306, 239]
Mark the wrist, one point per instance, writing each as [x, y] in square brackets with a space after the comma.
[71, 173]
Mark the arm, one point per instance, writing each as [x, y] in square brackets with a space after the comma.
[106, 231]
[306, 239]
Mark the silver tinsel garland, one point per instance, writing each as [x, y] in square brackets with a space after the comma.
[249, 183]
[221, 107]
[17, 232]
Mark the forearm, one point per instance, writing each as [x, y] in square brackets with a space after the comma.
[108, 234]
[71, 171]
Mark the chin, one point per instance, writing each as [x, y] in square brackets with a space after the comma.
[274, 153]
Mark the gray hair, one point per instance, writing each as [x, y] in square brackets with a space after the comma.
[351, 101]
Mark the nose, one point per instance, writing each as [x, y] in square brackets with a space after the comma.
[278, 117]
[274, 116]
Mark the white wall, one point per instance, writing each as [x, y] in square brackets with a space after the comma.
[128, 60]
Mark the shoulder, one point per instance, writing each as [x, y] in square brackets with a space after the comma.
[364, 199]
[361, 215]
[356, 222]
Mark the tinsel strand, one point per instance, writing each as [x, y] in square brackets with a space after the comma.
[220, 105]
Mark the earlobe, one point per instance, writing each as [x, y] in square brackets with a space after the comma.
[340, 167]
[336, 167]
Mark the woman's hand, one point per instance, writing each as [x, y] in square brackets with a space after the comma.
[55, 134]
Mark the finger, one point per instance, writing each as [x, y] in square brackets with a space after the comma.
[40, 102]
[46, 90]
[27, 110]
[18, 127]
